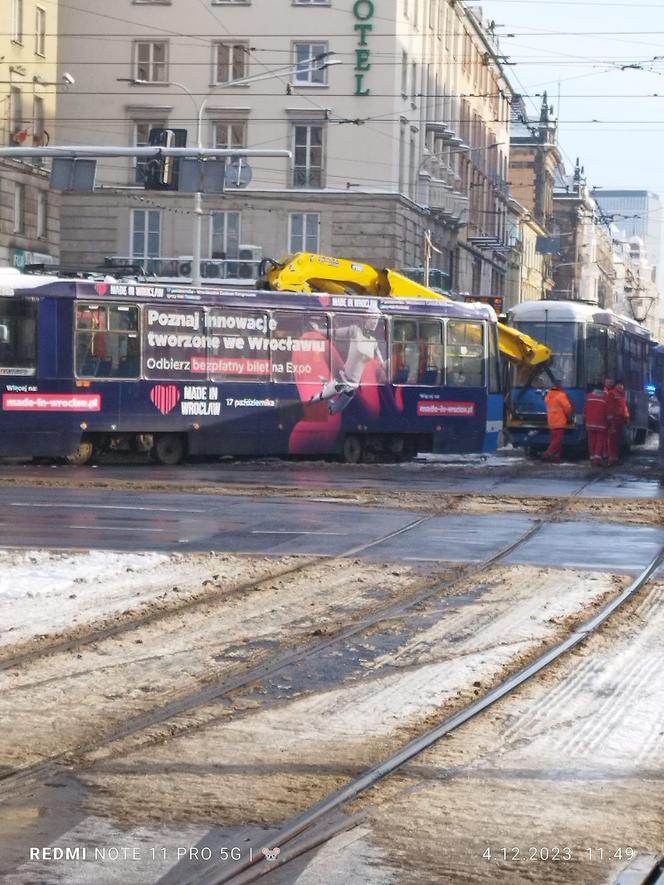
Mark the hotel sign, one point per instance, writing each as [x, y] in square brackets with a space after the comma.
[364, 11]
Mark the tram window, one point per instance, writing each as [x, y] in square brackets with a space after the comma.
[465, 354]
[405, 352]
[18, 336]
[301, 348]
[495, 381]
[238, 345]
[612, 369]
[359, 352]
[564, 339]
[107, 343]
[174, 342]
[596, 354]
[432, 353]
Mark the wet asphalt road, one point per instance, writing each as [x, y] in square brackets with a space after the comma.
[105, 518]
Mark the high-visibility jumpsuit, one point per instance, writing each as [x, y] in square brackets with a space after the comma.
[596, 425]
[617, 413]
[559, 410]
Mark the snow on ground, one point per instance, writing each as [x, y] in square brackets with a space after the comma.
[44, 592]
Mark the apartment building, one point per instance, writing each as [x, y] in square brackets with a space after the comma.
[401, 129]
[29, 213]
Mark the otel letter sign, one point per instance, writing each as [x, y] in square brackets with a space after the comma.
[363, 10]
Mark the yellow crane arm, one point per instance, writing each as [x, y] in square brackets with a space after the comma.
[310, 272]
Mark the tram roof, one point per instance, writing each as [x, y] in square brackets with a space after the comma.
[574, 312]
[164, 295]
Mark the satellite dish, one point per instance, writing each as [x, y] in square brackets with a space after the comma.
[238, 173]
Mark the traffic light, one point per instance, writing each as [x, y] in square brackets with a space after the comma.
[161, 174]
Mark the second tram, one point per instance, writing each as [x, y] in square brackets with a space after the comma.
[589, 345]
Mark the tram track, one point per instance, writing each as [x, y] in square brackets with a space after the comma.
[131, 623]
[217, 690]
[325, 819]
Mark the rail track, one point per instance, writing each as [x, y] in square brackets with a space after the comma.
[217, 689]
[326, 818]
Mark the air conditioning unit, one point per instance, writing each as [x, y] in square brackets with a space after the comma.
[250, 253]
[184, 265]
[212, 269]
[249, 260]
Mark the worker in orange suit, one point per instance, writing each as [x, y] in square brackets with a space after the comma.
[595, 416]
[617, 413]
[559, 411]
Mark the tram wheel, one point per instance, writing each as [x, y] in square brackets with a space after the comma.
[168, 449]
[83, 454]
[353, 449]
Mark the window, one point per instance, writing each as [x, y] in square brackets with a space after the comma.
[15, 113]
[152, 61]
[404, 74]
[417, 352]
[230, 62]
[38, 120]
[42, 215]
[107, 344]
[230, 134]
[40, 31]
[564, 339]
[174, 342]
[142, 139]
[302, 353]
[17, 21]
[18, 336]
[360, 349]
[307, 156]
[303, 231]
[242, 351]
[225, 237]
[465, 354]
[413, 86]
[19, 208]
[145, 233]
[308, 72]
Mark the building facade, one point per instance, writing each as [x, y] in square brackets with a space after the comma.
[636, 213]
[29, 212]
[410, 133]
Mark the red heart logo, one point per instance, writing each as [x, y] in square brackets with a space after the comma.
[102, 288]
[165, 397]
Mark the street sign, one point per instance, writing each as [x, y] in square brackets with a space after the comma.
[73, 174]
[201, 176]
[238, 174]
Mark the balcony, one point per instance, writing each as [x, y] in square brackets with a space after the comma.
[442, 200]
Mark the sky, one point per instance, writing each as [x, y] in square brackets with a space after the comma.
[610, 114]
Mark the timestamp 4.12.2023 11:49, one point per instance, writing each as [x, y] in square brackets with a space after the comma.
[557, 853]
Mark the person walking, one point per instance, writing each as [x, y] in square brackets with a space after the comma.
[617, 413]
[559, 410]
[595, 415]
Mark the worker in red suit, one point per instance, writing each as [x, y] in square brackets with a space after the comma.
[617, 413]
[595, 414]
[559, 411]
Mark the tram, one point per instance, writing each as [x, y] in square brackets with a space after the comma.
[589, 344]
[657, 385]
[90, 365]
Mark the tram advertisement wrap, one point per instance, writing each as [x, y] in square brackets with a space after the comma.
[245, 345]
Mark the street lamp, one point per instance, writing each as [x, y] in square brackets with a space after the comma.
[322, 61]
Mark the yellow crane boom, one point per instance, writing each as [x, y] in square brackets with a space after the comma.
[311, 272]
